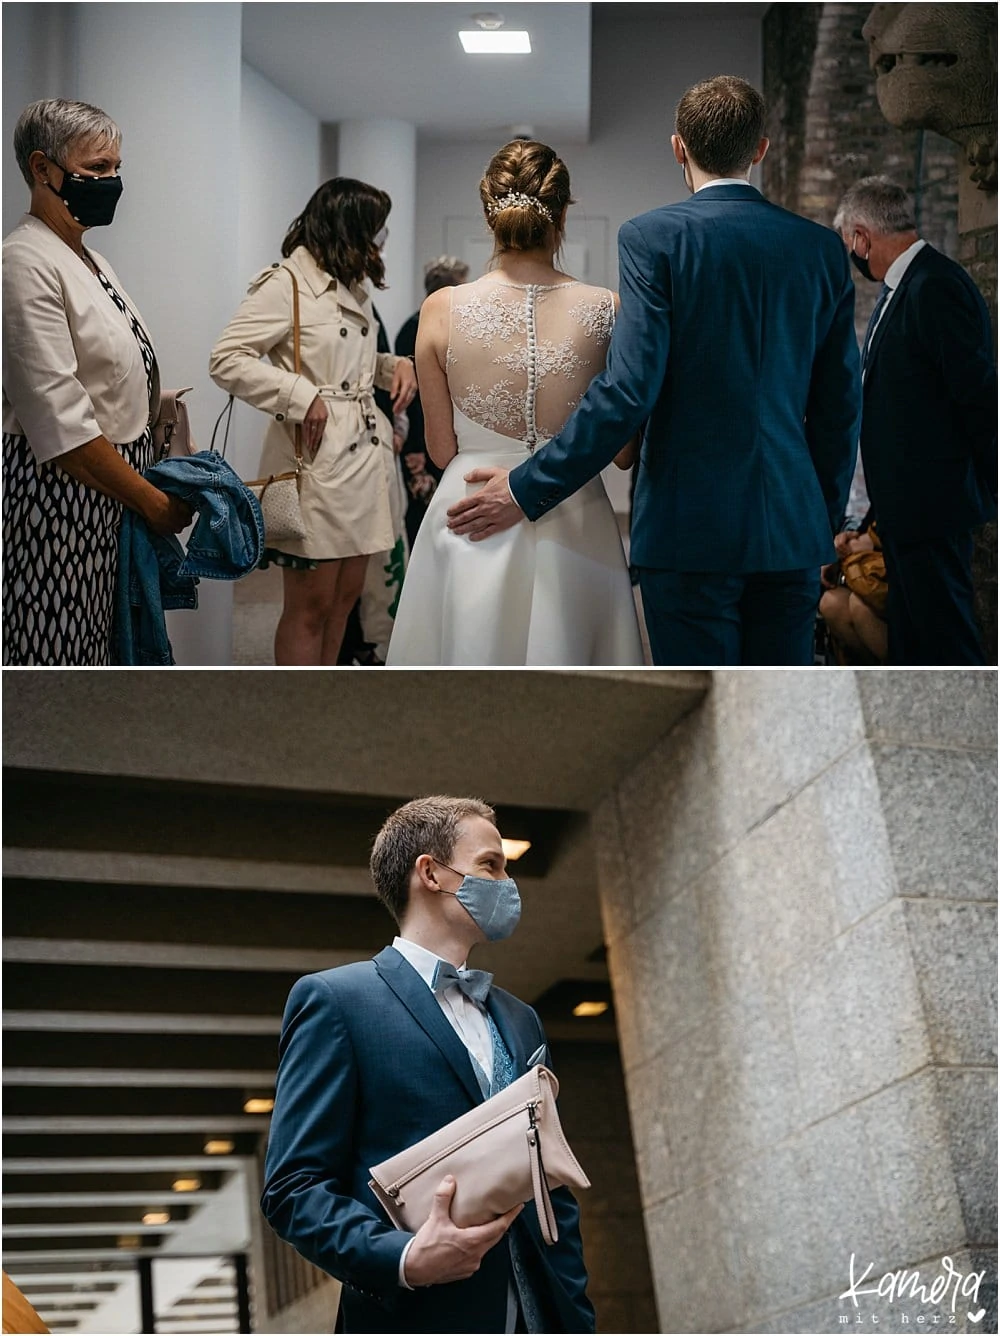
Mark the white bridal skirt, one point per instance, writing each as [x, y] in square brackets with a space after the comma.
[552, 593]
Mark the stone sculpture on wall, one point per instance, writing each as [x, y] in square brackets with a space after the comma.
[936, 68]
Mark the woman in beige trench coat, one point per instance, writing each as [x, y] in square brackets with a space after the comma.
[330, 249]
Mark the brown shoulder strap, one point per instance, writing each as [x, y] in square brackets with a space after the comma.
[296, 354]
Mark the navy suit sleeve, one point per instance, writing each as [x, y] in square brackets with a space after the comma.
[308, 1168]
[619, 400]
[565, 1256]
[954, 328]
[833, 410]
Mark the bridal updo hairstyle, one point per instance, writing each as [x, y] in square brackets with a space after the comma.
[338, 228]
[532, 171]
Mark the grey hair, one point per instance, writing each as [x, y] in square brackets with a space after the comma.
[444, 272]
[879, 204]
[53, 125]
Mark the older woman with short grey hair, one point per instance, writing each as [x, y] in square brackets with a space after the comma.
[80, 395]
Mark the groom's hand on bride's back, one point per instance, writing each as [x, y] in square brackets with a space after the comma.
[488, 511]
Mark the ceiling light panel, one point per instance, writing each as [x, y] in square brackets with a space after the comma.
[503, 43]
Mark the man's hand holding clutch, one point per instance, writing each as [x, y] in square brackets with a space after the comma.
[442, 1252]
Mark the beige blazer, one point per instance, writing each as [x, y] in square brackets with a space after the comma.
[345, 490]
[72, 370]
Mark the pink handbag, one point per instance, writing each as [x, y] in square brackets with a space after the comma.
[507, 1150]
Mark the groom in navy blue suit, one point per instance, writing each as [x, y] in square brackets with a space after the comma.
[378, 1055]
[735, 352]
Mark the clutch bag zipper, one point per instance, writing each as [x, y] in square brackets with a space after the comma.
[531, 1105]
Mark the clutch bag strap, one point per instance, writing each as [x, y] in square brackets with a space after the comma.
[539, 1185]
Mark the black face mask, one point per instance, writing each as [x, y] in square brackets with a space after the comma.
[91, 200]
[863, 267]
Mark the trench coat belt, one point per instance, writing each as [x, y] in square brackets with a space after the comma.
[363, 399]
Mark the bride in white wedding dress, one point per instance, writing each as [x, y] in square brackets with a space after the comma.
[501, 364]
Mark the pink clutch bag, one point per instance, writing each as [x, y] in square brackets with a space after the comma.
[508, 1150]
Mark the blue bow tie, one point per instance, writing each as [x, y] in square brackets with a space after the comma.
[473, 983]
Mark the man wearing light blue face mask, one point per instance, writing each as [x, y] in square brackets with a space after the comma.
[377, 1055]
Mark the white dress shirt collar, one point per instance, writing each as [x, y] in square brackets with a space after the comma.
[899, 266]
[423, 961]
[727, 181]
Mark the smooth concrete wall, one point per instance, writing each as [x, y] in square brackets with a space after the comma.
[640, 68]
[798, 888]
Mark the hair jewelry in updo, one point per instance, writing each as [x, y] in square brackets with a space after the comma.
[524, 191]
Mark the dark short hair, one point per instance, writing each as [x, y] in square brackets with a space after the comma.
[338, 228]
[721, 121]
[423, 826]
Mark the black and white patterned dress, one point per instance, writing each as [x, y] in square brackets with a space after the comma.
[60, 542]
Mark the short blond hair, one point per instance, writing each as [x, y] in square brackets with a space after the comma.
[423, 826]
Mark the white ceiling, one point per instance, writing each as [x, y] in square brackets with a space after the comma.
[348, 61]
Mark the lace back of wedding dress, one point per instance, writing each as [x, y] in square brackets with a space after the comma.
[521, 356]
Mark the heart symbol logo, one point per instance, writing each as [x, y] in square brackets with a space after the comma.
[976, 1317]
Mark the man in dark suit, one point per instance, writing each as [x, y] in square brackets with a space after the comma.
[929, 425]
[378, 1055]
[735, 346]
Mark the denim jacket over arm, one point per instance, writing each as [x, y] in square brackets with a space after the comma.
[155, 573]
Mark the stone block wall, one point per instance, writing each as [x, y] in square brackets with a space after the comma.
[798, 889]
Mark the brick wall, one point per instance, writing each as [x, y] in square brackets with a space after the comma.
[827, 131]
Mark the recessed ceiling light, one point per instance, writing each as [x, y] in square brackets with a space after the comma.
[128, 1240]
[590, 1009]
[219, 1147]
[186, 1184]
[514, 849]
[503, 43]
[156, 1218]
[258, 1105]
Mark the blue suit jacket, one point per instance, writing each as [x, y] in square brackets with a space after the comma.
[735, 345]
[369, 1065]
[929, 430]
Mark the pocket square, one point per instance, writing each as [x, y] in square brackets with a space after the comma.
[537, 1057]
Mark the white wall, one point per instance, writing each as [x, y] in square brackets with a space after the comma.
[279, 166]
[170, 76]
[640, 70]
[39, 61]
